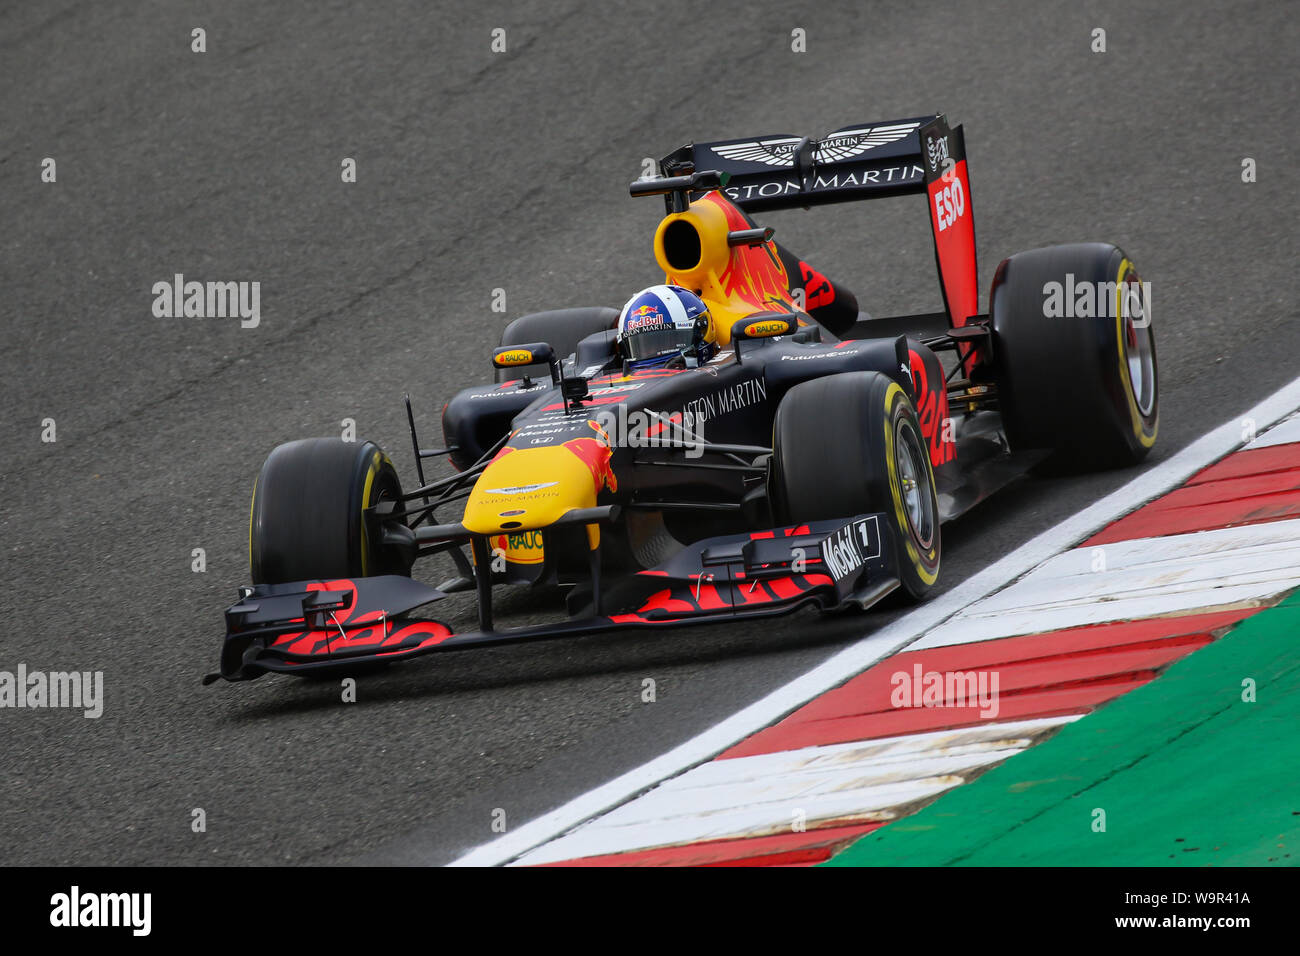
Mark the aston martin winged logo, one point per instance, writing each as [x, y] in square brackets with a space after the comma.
[833, 149]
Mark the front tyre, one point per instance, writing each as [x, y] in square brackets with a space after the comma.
[306, 519]
[872, 459]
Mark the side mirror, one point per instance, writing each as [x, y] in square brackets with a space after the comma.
[762, 326]
[521, 356]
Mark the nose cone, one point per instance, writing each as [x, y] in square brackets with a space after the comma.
[527, 488]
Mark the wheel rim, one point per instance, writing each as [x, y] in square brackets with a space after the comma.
[914, 481]
[379, 558]
[1139, 351]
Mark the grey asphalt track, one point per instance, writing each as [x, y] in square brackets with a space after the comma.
[479, 171]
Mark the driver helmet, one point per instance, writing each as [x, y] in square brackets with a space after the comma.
[663, 323]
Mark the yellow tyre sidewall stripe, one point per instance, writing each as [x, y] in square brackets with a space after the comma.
[1121, 351]
[375, 461]
[893, 395]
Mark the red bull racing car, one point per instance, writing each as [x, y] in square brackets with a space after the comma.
[739, 441]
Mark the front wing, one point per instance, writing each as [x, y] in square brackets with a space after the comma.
[319, 626]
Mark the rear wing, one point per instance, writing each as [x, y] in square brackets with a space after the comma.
[921, 155]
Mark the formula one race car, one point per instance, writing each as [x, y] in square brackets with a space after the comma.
[797, 452]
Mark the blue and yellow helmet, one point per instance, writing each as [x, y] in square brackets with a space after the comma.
[663, 322]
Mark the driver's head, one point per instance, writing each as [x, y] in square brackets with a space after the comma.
[663, 323]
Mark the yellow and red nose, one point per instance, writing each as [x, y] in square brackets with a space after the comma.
[525, 489]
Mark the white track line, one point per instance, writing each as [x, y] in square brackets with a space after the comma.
[874, 780]
[1283, 434]
[1200, 571]
[889, 640]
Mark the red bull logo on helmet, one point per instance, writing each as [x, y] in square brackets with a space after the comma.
[661, 305]
[643, 317]
[652, 321]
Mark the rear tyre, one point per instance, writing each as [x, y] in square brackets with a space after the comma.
[562, 329]
[873, 459]
[306, 521]
[1084, 387]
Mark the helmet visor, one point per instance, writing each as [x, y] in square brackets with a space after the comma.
[653, 342]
